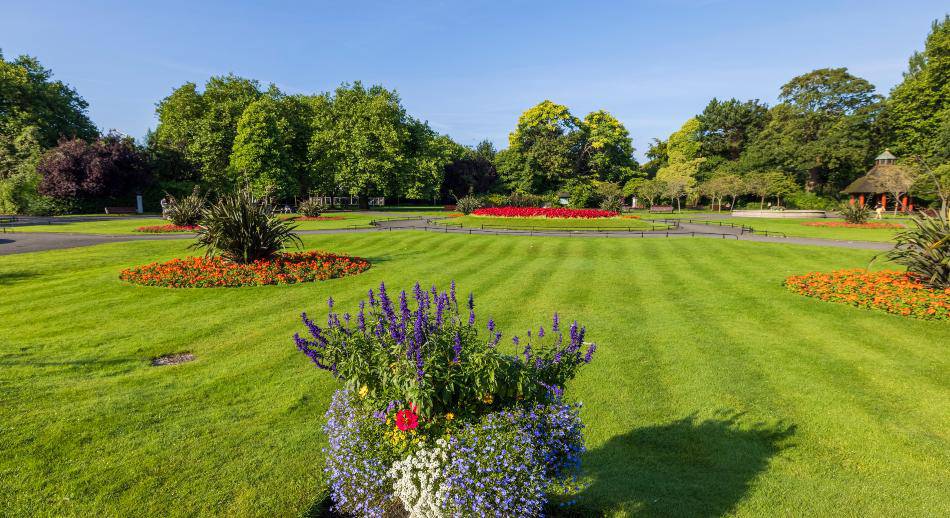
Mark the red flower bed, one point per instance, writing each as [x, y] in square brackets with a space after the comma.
[539, 212]
[214, 272]
[845, 224]
[161, 229]
[892, 291]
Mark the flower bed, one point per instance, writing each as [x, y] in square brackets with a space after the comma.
[542, 212]
[892, 291]
[845, 224]
[161, 229]
[318, 218]
[214, 272]
[434, 420]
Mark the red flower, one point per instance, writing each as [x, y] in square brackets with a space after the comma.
[407, 420]
[535, 212]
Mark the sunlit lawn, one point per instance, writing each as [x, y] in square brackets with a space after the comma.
[796, 228]
[715, 390]
[549, 223]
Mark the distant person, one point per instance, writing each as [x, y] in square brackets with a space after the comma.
[879, 211]
[164, 203]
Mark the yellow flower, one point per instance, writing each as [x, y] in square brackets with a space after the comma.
[363, 391]
[450, 416]
[488, 399]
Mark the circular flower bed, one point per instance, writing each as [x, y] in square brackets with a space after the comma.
[214, 272]
[845, 224]
[542, 212]
[161, 229]
[892, 291]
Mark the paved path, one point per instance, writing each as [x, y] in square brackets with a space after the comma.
[22, 242]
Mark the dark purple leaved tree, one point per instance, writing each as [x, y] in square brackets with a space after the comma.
[109, 167]
[63, 169]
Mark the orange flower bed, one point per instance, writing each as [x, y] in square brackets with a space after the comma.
[629, 217]
[845, 224]
[892, 291]
[215, 272]
[318, 218]
[161, 229]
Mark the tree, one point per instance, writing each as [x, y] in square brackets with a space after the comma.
[727, 127]
[30, 97]
[363, 140]
[822, 130]
[607, 148]
[18, 177]
[651, 190]
[920, 104]
[262, 156]
[471, 172]
[544, 149]
[934, 180]
[769, 183]
[679, 179]
[683, 144]
[109, 167]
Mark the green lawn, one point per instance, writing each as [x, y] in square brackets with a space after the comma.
[128, 226]
[794, 227]
[547, 223]
[714, 391]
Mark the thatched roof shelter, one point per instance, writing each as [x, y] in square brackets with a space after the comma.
[871, 182]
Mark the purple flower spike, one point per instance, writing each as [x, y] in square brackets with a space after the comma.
[471, 301]
[372, 298]
[541, 332]
[491, 324]
[590, 353]
[330, 302]
[471, 317]
[457, 348]
[515, 340]
[556, 323]
[452, 292]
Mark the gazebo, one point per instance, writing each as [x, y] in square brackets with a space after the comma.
[869, 186]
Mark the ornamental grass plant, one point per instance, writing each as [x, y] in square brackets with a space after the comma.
[924, 248]
[454, 423]
[243, 229]
[186, 211]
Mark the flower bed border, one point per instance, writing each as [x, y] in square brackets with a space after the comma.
[845, 224]
[891, 291]
[544, 212]
[166, 229]
[215, 272]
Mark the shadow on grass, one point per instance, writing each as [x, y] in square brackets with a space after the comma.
[14, 277]
[685, 468]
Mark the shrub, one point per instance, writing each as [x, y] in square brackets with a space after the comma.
[523, 199]
[456, 424]
[582, 196]
[311, 208]
[805, 200]
[924, 248]
[185, 211]
[243, 229]
[494, 200]
[468, 204]
[854, 213]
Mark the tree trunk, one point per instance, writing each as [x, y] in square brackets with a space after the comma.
[364, 201]
[814, 178]
[762, 203]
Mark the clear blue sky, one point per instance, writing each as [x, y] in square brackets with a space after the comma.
[468, 67]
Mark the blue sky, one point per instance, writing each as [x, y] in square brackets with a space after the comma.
[469, 68]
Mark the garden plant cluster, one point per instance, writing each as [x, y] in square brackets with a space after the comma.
[215, 271]
[846, 224]
[163, 229]
[895, 292]
[434, 420]
[544, 212]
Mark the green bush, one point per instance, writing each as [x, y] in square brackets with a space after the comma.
[311, 208]
[854, 213]
[243, 229]
[582, 196]
[924, 248]
[610, 196]
[494, 200]
[809, 201]
[468, 204]
[185, 211]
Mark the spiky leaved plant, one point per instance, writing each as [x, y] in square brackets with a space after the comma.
[468, 204]
[186, 212]
[311, 207]
[854, 213]
[243, 229]
[924, 248]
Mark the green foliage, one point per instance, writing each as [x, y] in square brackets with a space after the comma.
[918, 109]
[468, 204]
[609, 196]
[809, 201]
[727, 127]
[854, 213]
[311, 207]
[582, 195]
[924, 248]
[186, 211]
[243, 229]
[608, 150]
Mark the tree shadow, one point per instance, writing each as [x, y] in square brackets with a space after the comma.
[14, 277]
[689, 467]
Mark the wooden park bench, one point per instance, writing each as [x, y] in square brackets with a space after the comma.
[662, 208]
[120, 210]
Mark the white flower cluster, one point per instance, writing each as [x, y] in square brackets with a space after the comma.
[419, 481]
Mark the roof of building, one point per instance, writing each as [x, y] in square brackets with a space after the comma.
[886, 155]
[871, 183]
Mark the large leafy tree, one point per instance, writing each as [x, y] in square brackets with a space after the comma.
[202, 126]
[109, 167]
[727, 127]
[608, 149]
[920, 105]
[472, 172]
[543, 149]
[821, 131]
[363, 140]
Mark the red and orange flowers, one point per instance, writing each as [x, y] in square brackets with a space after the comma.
[541, 212]
[161, 229]
[214, 272]
[892, 291]
[407, 419]
[845, 224]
